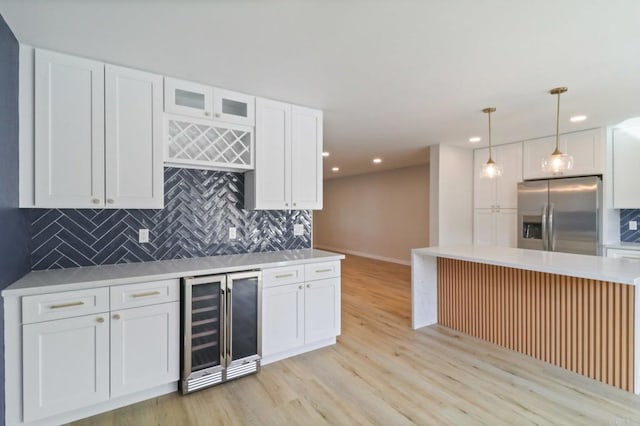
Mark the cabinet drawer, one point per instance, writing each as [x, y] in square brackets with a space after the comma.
[143, 294]
[624, 253]
[319, 271]
[52, 306]
[285, 275]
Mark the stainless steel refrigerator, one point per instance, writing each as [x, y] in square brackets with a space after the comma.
[561, 215]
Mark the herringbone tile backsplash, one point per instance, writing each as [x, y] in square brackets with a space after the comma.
[626, 235]
[200, 206]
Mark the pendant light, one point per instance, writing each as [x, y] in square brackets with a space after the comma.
[557, 162]
[490, 169]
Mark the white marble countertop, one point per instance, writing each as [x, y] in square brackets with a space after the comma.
[37, 282]
[625, 271]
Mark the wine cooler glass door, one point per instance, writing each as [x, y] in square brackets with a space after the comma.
[244, 318]
[203, 325]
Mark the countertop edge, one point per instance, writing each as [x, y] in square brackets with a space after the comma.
[32, 283]
[631, 279]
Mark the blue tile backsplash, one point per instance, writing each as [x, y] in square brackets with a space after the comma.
[627, 236]
[200, 206]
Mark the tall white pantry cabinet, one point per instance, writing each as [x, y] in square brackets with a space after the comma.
[495, 200]
[96, 137]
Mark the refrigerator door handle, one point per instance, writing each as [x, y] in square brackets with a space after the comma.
[545, 237]
[229, 322]
[552, 233]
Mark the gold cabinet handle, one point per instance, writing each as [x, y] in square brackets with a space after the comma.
[299, 287]
[95, 201]
[147, 294]
[284, 275]
[66, 305]
[110, 201]
[318, 271]
[116, 316]
[99, 320]
[308, 285]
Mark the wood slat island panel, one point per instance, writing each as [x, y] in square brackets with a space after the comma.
[583, 325]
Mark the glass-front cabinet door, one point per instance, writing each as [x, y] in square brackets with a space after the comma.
[234, 107]
[188, 98]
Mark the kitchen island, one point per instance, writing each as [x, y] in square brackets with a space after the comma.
[574, 311]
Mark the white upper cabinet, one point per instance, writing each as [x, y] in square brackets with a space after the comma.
[234, 107]
[501, 192]
[288, 163]
[134, 149]
[69, 131]
[97, 138]
[188, 98]
[306, 158]
[268, 187]
[586, 147]
[626, 168]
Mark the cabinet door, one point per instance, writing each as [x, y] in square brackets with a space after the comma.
[65, 365]
[188, 98]
[534, 151]
[269, 186]
[306, 158]
[69, 131]
[510, 156]
[134, 152]
[484, 190]
[587, 149]
[506, 228]
[145, 347]
[321, 310]
[626, 170]
[484, 228]
[234, 107]
[282, 318]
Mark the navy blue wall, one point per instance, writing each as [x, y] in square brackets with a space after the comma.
[200, 207]
[14, 232]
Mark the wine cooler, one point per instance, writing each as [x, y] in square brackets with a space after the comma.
[220, 328]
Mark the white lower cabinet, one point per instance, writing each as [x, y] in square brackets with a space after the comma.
[321, 310]
[301, 316]
[282, 318]
[495, 227]
[79, 361]
[145, 347]
[65, 365]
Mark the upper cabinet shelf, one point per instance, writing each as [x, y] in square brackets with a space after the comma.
[201, 101]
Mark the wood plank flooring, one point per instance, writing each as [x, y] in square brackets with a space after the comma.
[382, 372]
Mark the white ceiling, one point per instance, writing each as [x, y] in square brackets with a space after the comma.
[391, 76]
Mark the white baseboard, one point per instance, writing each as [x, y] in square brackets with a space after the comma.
[363, 254]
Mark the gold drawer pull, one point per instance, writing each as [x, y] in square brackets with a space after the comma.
[66, 305]
[324, 270]
[147, 294]
[284, 275]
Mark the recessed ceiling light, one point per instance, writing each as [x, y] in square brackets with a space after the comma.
[578, 118]
[475, 139]
[377, 160]
[325, 154]
[335, 169]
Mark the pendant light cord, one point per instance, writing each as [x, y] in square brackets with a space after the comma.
[558, 122]
[490, 156]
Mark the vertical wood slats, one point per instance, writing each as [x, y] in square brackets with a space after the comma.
[583, 325]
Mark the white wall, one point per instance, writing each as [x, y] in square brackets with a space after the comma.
[451, 196]
[380, 215]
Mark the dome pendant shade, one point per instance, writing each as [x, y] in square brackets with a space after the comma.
[490, 169]
[557, 162]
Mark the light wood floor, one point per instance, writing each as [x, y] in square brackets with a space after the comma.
[382, 372]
